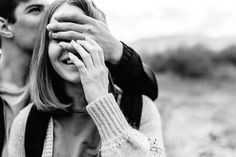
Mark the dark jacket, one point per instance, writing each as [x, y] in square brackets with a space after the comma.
[132, 77]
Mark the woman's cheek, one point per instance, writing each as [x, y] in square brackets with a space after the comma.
[54, 51]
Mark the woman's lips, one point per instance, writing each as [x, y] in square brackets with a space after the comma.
[67, 60]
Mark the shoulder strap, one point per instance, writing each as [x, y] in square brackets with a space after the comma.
[36, 129]
[37, 123]
[2, 127]
[131, 106]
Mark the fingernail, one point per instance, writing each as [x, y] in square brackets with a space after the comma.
[79, 41]
[73, 42]
[48, 27]
[60, 44]
[70, 54]
[53, 35]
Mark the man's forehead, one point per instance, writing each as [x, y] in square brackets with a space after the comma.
[44, 2]
[51, 1]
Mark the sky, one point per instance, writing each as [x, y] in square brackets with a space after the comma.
[131, 20]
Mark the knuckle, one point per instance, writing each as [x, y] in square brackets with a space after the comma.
[106, 70]
[56, 35]
[96, 74]
[72, 15]
[93, 50]
[103, 70]
[90, 28]
[70, 33]
[67, 46]
[86, 56]
[69, 26]
[93, 22]
[100, 50]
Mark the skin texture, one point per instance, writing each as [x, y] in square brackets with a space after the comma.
[28, 17]
[75, 26]
[18, 40]
[89, 70]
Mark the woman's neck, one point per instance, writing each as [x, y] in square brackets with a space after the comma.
[76, 92]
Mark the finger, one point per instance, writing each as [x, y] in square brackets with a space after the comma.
[68, 36]
[92, 50]
[100, 51]
[84, 55]
[74, 17]
[96, 12]
[68, 47]
[66, 26]
[78, 63]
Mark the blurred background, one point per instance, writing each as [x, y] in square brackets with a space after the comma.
[191, 46]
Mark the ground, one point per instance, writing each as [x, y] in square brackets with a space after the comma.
[198, 116]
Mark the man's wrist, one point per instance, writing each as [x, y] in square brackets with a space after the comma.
[126, 59]
[116, 55]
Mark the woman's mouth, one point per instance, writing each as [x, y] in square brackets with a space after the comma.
[67, 61]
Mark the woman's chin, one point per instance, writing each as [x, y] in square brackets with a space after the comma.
[72, 78]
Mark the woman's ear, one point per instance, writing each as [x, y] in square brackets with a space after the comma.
[5, 29]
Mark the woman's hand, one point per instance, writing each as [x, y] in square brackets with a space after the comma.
[92, 68]
[75, 26]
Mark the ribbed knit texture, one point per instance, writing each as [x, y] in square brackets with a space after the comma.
[48, 143]
[108, 117]
[119, 139]
[116, 134]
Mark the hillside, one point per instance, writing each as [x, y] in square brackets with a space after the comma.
[153, 45]
[198, 116]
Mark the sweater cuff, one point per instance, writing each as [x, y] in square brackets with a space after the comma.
[108, 118]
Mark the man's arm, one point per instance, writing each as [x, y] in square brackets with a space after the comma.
[123, 62]
[132, 76]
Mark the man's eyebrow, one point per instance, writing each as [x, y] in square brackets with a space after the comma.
[34, 5]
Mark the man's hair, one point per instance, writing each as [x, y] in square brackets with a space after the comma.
[46, 86]
[7, 9]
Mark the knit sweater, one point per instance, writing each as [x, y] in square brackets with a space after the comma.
[118, 138]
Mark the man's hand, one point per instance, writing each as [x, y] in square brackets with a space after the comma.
[76, 26]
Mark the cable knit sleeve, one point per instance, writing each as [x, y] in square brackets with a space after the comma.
[119, 139]
[16, 142]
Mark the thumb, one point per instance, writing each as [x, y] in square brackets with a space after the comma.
[96, 12]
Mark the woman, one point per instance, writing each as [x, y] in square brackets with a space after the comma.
[70, 88]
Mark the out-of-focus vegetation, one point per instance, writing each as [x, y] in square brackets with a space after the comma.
[198, 116]
[198, 113]
[196, 100]
[192, 62]
[228, 55]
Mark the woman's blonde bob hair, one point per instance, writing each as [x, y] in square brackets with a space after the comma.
[46, 86]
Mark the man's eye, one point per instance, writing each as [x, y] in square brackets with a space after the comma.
[35, 10]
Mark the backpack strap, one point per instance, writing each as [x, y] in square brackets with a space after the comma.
[131, 106]
[2, 127]
[36, 129]
[37, 123]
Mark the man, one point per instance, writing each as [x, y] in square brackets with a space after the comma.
[19, 21]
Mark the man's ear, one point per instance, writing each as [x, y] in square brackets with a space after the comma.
[5, 29]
